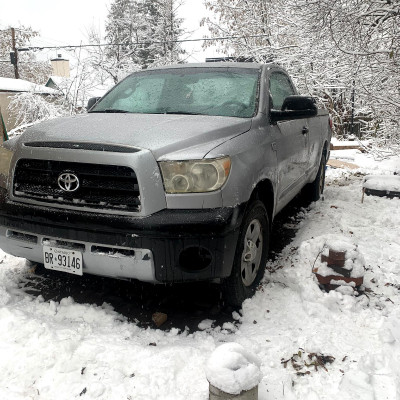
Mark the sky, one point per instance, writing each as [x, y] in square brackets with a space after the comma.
[67, 23]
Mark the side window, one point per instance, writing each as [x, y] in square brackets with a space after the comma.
[279, 88]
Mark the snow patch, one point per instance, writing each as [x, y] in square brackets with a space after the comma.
[382, 182]
[58, 349]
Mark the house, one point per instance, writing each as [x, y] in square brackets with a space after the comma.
[10, 87]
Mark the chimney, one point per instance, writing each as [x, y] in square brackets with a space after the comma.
[60, 66]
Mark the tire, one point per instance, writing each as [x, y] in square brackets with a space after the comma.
[250, 256]
[314, 190]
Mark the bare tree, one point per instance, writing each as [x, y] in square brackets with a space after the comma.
[29, 67]
[345, 53]
[30, 108]
[367, 35]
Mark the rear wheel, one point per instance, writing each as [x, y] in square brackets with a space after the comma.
[315, 189]
[250, 257]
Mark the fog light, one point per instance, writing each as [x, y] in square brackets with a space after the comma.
[193, 259]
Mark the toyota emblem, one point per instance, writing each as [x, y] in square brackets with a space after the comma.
[68, 182]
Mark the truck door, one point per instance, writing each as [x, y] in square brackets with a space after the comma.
[291, 139]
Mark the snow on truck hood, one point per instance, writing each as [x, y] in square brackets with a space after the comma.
[165, 135]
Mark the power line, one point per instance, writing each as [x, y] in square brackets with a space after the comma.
[23, 62]
[35, 48]
[17, 29]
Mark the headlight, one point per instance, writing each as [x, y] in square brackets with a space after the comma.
[195, 176]
[5, 162]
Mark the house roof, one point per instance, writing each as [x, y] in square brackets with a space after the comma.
[21, 85]
[58, 80]
[64, 85]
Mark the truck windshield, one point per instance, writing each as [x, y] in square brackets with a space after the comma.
[228, 92]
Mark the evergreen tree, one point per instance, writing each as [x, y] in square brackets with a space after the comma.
[145, 31]
[167, 30]
[122, 28]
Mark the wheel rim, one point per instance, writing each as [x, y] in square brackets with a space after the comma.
[252, 252]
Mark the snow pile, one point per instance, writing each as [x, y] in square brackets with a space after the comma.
[233, 369]
[354, 261]
[9, 277]
[389, 183]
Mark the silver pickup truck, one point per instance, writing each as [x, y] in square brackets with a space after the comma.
[174, 175]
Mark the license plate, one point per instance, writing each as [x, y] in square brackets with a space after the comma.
[64, 260]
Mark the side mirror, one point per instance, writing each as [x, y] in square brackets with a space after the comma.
[92, 101]
[295, 107]
[299, 103]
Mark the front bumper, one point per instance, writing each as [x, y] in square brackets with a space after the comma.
[168, 246]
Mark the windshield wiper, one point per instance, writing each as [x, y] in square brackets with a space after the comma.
[182, 112]
[116, 111]
[109, 110]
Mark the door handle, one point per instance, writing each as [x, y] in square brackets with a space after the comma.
[305, 130]
[273, 145]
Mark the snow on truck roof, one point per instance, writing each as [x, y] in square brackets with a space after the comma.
[21, 85]
[247, 65]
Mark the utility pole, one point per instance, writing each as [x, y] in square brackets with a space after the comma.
[352, 106]
[14, 48]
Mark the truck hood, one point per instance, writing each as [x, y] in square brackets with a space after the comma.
[166, 136]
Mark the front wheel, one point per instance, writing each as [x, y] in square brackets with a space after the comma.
[250, 257]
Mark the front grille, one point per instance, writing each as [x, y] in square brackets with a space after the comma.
[100, 186]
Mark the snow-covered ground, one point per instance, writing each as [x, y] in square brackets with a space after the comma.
[67, 350]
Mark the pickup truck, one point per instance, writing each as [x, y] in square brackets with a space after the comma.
[174, 175]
